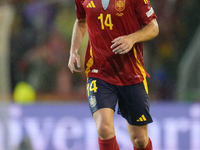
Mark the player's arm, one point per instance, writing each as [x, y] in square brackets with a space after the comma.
[78, 34]
[124, 44]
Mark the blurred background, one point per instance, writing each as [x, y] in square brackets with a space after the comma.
[35, 37]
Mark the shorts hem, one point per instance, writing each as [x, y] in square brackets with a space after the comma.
[101, 108]
[139, 124]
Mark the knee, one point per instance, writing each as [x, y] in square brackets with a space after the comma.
[140, 141]
[105, 131]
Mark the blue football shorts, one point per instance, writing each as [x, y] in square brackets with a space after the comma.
[132, 100]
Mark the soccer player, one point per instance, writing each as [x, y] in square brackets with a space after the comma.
[114, 65]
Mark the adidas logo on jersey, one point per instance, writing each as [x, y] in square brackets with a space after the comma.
[91, 5]
[142, 118]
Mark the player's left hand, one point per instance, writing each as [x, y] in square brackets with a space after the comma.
[122, 44]
[74, 60]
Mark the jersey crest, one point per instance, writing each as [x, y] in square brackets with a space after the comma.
[119, 5]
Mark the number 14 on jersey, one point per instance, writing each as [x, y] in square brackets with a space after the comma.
[107, 21]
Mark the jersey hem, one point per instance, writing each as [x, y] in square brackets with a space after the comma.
[114, 83]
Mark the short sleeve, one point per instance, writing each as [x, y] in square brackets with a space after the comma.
[144, 11]
[80, 11]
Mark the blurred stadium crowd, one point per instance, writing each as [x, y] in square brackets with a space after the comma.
[40, 43]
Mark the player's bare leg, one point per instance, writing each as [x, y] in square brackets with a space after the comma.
[105, 128]
[104, 123]
[139, 137]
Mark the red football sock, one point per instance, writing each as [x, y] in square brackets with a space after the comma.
[148, 147]
[110, 144]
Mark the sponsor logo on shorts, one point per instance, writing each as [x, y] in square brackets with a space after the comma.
[93, 101]
[142, 118]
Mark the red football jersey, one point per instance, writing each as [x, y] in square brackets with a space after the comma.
[107, 20]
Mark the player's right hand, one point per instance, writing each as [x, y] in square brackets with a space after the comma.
[74, 60]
